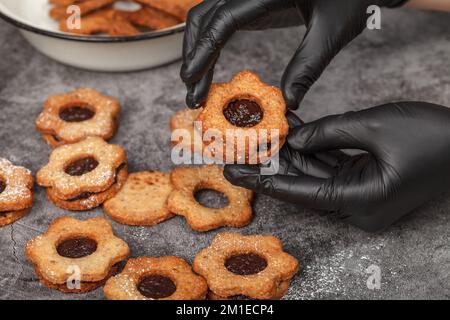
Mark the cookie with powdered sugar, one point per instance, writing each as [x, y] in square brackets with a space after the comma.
[16, 192]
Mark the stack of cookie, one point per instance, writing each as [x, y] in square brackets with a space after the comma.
[247, 107]
[120, 18]
[76, 256]
[16, 192]
[83, 175]
[239, 267]
[83, 171]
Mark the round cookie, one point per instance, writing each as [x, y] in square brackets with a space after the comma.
[72, 117]
[248, 117]
[70, 244]
[253, 267]
[164, 278]
[143, 199]
[187, 181]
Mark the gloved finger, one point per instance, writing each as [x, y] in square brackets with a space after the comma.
[314, 54]
[293, 120]
[198, 92]
[227, 19]
[199, 17]
[307, 164]
[286, 168]
[333, 158]
[193, 25]
[279, 19]
[346, 131]
[309, 191]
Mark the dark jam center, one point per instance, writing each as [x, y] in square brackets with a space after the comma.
[76, 114]
[2, 185]
[156, 287]
[245, 264]
[76, 248]
[211, 198]
[81, 166]
[243, 113]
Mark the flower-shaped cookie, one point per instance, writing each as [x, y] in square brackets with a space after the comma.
[165, 278]
[248, 109]
[70, 244]
[71, 117]
[254, 267]
[89, 166]
[88, 200]
[187, 181]
[16, 184]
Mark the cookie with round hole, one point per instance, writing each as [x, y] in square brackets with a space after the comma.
[246, 267]
[164, 278]
[74, 116]
[77, 252]
[16, 192]
[143, 199]
[79, 171]
[187, 181]
[248, 117]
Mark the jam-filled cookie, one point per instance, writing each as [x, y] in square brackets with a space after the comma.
[143, 199]
[246, 267]
[84, 175]
[165, 278]
[71, 117]
[248, 118]
[188, 181]
[16, 192]
[76, 256]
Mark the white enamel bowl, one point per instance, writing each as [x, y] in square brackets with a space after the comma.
[99, 53]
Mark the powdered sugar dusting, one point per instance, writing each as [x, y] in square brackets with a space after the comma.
[18, 182]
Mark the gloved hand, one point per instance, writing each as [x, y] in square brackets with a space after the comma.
[406, 163]
[331, 25]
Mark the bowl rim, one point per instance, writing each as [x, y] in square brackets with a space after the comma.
[93, 39]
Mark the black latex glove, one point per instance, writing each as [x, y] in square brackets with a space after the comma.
[406, 163]
[331, 25]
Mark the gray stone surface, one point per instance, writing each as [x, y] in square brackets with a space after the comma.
[409, 59]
